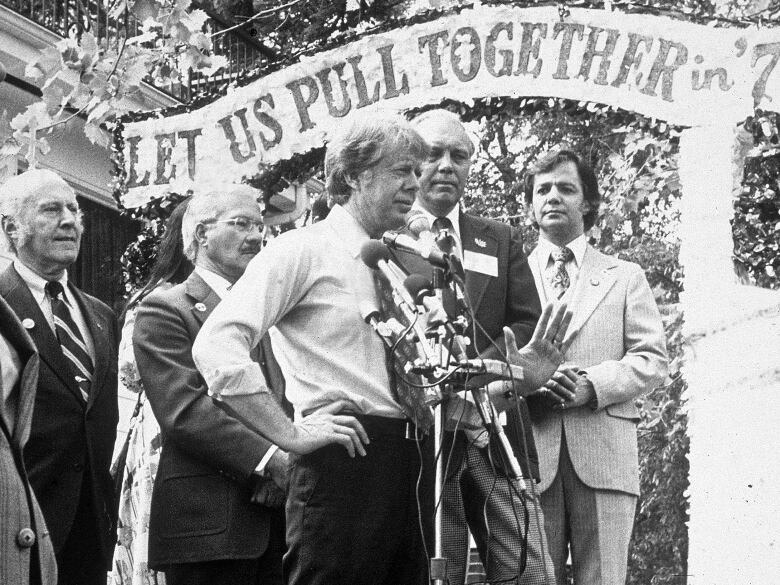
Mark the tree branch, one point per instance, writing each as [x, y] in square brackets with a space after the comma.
[257, 16]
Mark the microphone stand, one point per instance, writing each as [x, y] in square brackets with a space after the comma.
[438, 563]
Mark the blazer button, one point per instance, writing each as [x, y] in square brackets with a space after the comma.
[25, 538]
[78, 466]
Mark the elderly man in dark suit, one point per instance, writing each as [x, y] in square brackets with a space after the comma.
[501, 292]
[26, 553]
[74, 422]
[204, 528]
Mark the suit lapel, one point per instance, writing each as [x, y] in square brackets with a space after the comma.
[595, 280]
[19, 297]
[477, 238]
[203, 296]
[16, 336]
[533, 263]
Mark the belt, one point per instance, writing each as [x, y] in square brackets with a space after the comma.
[389, 427]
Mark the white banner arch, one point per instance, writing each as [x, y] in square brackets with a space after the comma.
[702, 78]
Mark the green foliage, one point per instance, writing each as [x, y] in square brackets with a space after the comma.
[659, 547]
[140, 255]
[756, 223]
[84, 74]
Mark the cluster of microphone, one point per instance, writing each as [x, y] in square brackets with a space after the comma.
[435, 330]
[429, 328]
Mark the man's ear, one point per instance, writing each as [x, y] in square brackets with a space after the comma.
[351, 181]
[201, 236]
[10, 228]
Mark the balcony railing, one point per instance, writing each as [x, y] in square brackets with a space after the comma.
[243, 52]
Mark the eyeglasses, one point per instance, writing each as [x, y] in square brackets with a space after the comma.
[242, 224]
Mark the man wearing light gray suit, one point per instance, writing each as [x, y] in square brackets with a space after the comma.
[26, 551]
[585, 418]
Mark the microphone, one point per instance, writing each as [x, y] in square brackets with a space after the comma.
[496, 368]
[427, 251]
[370, 315]
[420, 226]
[422, 293]
[490, 417]
[420, 289]
[375, 255]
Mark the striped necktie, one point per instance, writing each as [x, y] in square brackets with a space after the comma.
[71, 341]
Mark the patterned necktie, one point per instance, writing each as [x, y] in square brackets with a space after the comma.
[560, 278]
[411, 399]
[71, 341]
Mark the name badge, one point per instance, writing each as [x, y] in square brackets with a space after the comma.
[482, 263]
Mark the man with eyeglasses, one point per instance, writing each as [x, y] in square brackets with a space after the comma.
[216, 513]
[68, 454]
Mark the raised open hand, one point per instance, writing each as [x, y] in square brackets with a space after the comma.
[542, 355]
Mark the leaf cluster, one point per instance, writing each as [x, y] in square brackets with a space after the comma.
[95, 78]
[756, 222]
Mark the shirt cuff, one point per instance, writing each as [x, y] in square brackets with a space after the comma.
[593, 403]
[260, 469]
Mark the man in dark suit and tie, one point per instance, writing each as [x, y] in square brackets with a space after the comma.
[26, 553]
[74, 422]
[585, 418]
[500, 290]
[204, 527]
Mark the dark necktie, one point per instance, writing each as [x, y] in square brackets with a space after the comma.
[445, 235]
[411, 399]
[560, 279]
[73, 347]
[447, 242]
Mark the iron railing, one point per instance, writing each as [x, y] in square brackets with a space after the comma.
[243, 52]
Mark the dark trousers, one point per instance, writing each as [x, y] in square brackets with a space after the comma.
[265, 570]
[356, 521]
[80, 561]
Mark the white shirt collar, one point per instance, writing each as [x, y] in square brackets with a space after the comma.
[36, 283]
[351, 233]
[577, 246]
[219, 284]
[453, 216]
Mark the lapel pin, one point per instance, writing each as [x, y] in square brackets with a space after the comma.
[100, 326]
[480, 242]
[200, 307]
[594, 281]
[28, 323]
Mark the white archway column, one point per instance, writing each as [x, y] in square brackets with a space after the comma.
[732, 367]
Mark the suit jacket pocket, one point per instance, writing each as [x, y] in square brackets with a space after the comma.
[194, 505]
[625, 410]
